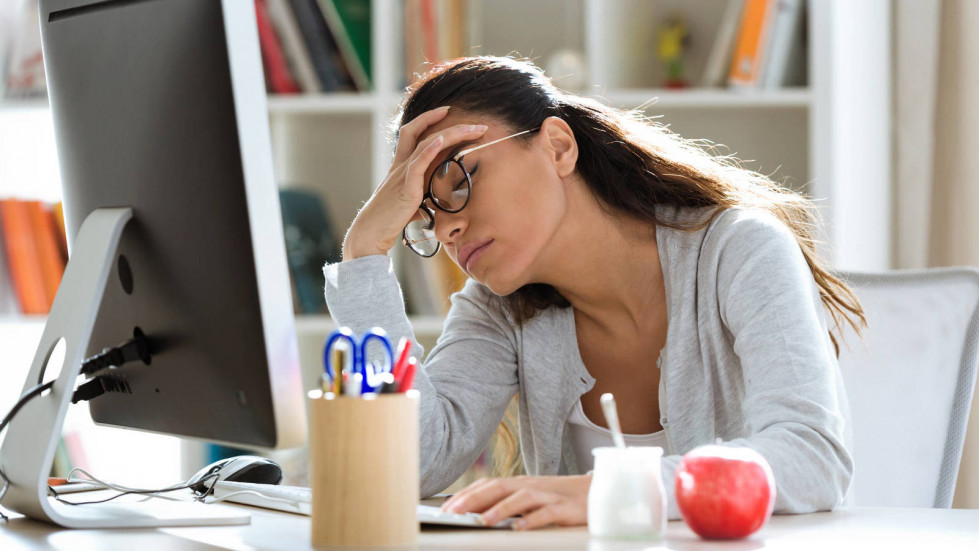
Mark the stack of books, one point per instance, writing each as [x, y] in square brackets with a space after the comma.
[33, 255]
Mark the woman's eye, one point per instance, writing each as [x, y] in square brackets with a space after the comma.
[462, 183]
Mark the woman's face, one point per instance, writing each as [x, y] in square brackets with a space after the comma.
[517, 204]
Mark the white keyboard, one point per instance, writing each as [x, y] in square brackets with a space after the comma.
[297, 499]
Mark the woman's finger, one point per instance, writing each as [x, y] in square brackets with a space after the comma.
[408, 134]
[462, 495]
[561, 513]
[479, 499]
[519, 502]
[423, 156]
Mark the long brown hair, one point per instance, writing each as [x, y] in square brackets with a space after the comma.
[630, 163]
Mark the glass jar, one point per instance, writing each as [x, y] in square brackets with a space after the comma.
[627, 499]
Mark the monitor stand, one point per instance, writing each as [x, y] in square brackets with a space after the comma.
[33, 435]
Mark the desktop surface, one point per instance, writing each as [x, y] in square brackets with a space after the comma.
[845, 528]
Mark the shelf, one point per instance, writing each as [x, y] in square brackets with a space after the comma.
[22, 319]
[23, 104]
[708, 98]
[315, 324]
[306, 104]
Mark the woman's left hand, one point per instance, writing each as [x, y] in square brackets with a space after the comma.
[542, 500]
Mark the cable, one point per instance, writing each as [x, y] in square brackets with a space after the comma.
[123, 490]
[136, 348]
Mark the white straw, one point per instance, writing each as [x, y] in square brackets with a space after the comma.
[612, 419]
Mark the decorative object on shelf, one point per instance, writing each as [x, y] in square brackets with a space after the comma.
[310, 244]
[672, 39]
[24, 75]
[567, 70]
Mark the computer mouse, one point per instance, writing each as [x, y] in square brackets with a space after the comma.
[241, 468]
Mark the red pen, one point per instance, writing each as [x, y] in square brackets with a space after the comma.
[404, 350]
[409, 375]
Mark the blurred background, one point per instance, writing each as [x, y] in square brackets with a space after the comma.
[867, 107]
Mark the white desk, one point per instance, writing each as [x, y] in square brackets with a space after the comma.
[853, 528]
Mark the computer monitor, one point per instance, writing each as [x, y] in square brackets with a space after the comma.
[174, 228]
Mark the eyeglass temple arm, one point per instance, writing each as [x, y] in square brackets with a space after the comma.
[460, 154]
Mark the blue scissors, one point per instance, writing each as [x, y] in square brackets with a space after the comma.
[371, 373]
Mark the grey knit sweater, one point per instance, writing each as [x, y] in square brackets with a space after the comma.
[748, 360]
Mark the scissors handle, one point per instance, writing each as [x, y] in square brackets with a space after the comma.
[335, 372]
[371, 382]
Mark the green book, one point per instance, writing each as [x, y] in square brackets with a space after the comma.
[350, 23]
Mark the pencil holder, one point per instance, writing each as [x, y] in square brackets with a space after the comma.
[364, 469]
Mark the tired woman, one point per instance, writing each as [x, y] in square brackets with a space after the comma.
[604, 254]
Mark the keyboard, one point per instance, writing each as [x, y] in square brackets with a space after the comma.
[298, 499]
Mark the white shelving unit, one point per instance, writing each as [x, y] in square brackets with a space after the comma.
[830, 138]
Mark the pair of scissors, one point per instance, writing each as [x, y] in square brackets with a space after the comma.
[356, 362]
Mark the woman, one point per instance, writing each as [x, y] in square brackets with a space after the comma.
[605, 254]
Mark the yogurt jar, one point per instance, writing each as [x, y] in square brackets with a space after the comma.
[627, 499]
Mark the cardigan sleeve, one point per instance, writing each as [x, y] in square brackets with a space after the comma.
[770, 304]
[466, 381]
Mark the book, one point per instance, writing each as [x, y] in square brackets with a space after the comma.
[8, 296]
[310, 244]
[350, 23]
[48, 252]
[785, 62]
[58, 218]
[22, 257]
[24, 75]
[720, 54]
[329, 64]
[750, 49]
[297, 55]
[278, 76]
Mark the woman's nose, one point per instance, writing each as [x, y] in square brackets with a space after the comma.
[449, 225]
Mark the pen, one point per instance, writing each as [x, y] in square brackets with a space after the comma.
[404, 350]
[409, 376]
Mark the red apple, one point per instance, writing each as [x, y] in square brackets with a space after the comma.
[724, 492]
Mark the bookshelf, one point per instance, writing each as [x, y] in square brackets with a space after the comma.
[829, 138]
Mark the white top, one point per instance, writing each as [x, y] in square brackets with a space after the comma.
[586, 436]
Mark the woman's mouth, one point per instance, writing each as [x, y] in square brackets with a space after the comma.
[475, 255]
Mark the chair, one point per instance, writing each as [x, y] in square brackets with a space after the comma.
[910, 383]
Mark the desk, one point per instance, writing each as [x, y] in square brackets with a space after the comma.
[846, 528]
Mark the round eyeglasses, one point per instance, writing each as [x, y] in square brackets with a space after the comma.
[449, 190]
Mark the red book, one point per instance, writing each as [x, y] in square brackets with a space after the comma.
[273, 56]
[22, 257]
[48, 251]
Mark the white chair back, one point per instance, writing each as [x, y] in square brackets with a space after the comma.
[910, 383]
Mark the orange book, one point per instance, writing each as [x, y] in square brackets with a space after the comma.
[22, 257]
[48, 252]
[750, 47]
[58, 219]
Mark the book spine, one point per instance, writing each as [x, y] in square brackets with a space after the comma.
[785, 34]
[355, 62]
[280, 79]
[285, 23]
[749, 52]
[22, 257]
[48, 254]
[317, 36]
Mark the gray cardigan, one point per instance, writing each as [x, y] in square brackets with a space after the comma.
[748, 360]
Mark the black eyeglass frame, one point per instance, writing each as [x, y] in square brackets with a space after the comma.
[430, 212]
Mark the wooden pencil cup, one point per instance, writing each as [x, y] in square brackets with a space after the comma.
[364, 469]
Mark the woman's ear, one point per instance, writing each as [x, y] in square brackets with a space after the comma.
[560, 145]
